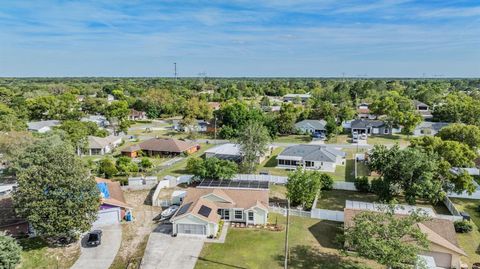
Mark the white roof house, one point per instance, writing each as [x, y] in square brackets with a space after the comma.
[42, 126]
[315, 157]
[229, 151]
[102, 145]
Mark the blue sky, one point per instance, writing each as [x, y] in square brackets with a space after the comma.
[398, 38]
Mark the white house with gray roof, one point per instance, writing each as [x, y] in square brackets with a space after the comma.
[429, 128]
[314, 157]
[42, 126]
[311, 126]
[102, 145]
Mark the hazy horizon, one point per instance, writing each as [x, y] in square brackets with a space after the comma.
[241, 38]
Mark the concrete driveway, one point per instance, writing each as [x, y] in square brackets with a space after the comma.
[100, 257]
[166, 252]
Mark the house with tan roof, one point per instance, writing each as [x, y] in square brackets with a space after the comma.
[102, 145]
[443, 251]
[203, 207]
[113, 207]
[161, 147]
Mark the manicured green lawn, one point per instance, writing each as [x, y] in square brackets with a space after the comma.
[470, 242]
[402, 140]
[36, 254]
[312, 244]
[294, 139]
[335, 199]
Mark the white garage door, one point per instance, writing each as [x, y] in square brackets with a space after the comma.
[443, 260]
[108, 217]
[191, 229]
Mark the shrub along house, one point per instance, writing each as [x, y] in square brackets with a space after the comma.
[314, 157]
[161, 147]
[204, 206]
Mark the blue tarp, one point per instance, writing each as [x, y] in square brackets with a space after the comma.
[103, 188]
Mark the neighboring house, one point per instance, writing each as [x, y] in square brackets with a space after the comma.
[42, 126]
[80, 98]
[311, 126]
[101, 121]
[371, 127]
[10, 223]
[110, 98]
[363, 112]
[231, 152]
[214, 105]
[102, 145]
[429, 128]
[203, 207]
[161, 147]
[137, 115]
[423, 109]
[113, 207]
[443, 246]
[292, 97]
[477, 162]
[315, 157]
[200, 126]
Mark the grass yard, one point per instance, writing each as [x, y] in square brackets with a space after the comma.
[294, 139]
[402, 140]
[37, 254]
[312, 244]
[470, 242]
[335, 200]
[178, 168]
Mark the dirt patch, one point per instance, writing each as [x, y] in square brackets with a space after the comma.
[135, 234]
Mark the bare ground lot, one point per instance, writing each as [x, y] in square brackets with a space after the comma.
[135, 234]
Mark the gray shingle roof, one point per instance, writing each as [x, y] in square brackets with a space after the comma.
[37, 125]
[316, 124]
[431, 125]
[362, 123]
[313, 153]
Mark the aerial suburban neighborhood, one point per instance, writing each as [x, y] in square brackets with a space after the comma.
[239, 134]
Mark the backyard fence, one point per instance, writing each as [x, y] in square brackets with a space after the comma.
[343, 185]
[293, 212]
[465, 195]
[325, 214]
[268, 178]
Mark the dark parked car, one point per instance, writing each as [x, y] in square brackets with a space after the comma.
[94, 238]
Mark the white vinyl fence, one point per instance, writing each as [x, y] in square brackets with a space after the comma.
[465, 195]
[325, 214]
[269, 178]
[293, 212]
[342, 185]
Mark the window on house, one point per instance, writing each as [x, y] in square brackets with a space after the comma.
[386, 131]
[250, 216]
[226, 214]
[282, 162]
[238, 214]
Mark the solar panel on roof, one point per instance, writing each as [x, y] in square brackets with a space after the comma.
[250, 184]
[204, 211]
[183, 209]
[224, 183]
[215, 183]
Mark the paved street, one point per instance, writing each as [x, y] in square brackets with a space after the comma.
[100, 257]
[166, 252]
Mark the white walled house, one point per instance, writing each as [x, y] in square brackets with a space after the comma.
[102, 145]
[203, 207]
[313, 157]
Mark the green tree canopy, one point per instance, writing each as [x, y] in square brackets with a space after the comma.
[381, 237]
[253, 141]
[211, 168]
[10, 252]
[303, 186]
[468, 134]
[55, 185]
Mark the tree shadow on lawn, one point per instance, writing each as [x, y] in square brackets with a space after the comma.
[326, 233]
[302, 256]
[272, 162]
[219, 264]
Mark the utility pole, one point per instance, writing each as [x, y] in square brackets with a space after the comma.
[175, 72]
[215, 131]
[286, 235]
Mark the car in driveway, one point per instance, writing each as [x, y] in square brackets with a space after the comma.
[94, 238]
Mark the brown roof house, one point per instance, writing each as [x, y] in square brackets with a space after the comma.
[161, 146]
[113, 206]
[10, 223]
[443, 252]
[203, 207]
